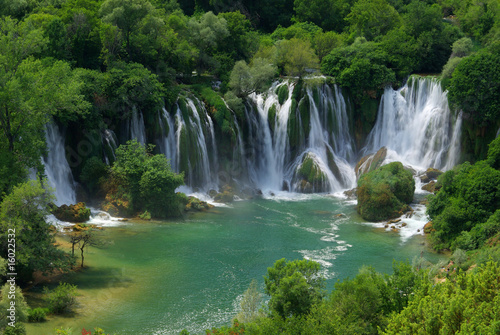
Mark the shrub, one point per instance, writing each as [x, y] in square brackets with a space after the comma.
[37, 314]
[62, 299]
[385, 192]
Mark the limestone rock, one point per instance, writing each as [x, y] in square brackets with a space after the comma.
[72, 213]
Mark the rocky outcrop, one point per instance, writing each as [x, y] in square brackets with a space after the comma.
[226, 196]
[196, 205]
[385, 193]
[370, 162]
[309, 177]
[430, 174]
[72, 213]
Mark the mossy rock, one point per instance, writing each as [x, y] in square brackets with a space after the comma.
[370, 162]
[195, 204]
[282, 93]
[385, 192]
[271, 116]
[309, 177]
[72, 213]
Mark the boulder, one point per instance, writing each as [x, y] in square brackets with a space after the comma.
[72, 213]
[428, 228]
[370, 162]
[385, 193]
[195, 204]
[309, 177]
[430, 174]
[430, 187]
[351, 194]
[226, 196]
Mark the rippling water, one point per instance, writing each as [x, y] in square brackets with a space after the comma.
[162, 277]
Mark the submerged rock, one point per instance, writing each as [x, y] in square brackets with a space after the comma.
[72, 213]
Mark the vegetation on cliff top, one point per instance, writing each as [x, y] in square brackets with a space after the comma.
[385, 192]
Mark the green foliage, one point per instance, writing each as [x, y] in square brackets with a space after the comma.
[385, 192]
[93, 174]
[294, 287]
[450, 67]
[13, 294]
[62, 299]
[157, 186]
[470, 194]
[245, 79]
[148, 181]
[462, 47]
[493, 158]
[477, 73]
[250, 304]
[360, 67]
[468, 306]
[37, 314]
[32, 91]
[315, 11]
[296, 56]
[25, 210]
[145, 216]
[372, 18]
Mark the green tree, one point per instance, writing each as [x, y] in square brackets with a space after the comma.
[296, 57]
[493, 157]
[157, 186]
[372, 18]
[315, 11]
[148, 181]
[127, 15]
[324, 43]
[207, 33]
[24, 210]
[250, 304]
[475, 87]
[31, 91]
[294, 287]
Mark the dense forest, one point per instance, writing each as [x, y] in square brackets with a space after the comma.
[88, 65]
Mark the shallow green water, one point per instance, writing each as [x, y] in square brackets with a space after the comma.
[162, 277]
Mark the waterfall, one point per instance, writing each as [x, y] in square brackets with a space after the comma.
[110, 144]
[57, 168]
[136, 127]
[168, 144]
[330, 144]
[269, 150]
[273, 164]
[188, 141]
[416, 126]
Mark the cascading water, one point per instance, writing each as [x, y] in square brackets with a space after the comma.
[269, 149]
[189, 143]
[168, 144]
[136, 127]
[57, 168]
[110, 144]
[416, 126]
[274, 164]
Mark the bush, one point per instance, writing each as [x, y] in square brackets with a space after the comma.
[384, 193]
[62, 299]
[37, 314]
[462, 211]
